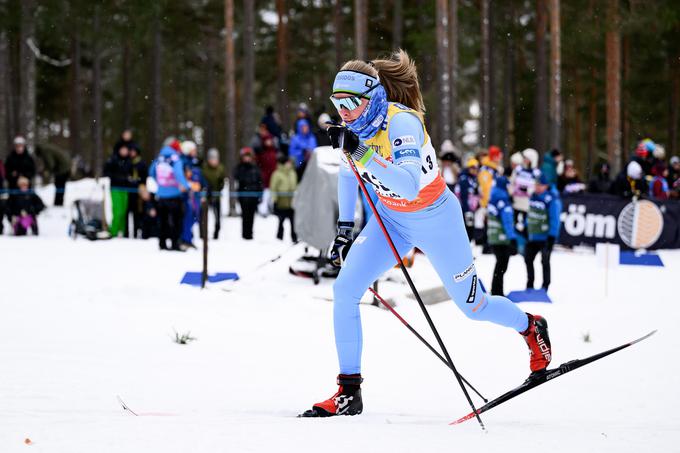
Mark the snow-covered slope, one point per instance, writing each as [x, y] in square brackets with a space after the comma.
[83, 322]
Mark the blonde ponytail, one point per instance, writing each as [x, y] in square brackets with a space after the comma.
[397, 74]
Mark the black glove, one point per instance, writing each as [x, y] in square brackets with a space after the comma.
[513, 247]
[342, 243]
[341, 137]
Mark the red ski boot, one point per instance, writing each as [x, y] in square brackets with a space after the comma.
[347, 400]
[538, 341]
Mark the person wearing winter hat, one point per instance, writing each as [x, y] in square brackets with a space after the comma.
[249, 184]
[322, 123]
[118, 168]
[467, 191]
[168, 172]
[630, 182]
[500, 232]
[214, 174]
[284, 182]
[302, 145]
[492, 166]
[674, 170]
[19, 163]
[658, 187]
[551, 160]
[543, 228]
[192, 198]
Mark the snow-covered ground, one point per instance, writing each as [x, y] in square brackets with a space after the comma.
[83, 322]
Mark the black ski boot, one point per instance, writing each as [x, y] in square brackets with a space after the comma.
[347, 400]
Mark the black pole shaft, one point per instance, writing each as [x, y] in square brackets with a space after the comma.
[377, 297]
[204, 233]
[411, 285]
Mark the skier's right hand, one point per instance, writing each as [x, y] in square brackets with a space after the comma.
[342, 243]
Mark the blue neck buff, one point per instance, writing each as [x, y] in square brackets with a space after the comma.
[375, 113]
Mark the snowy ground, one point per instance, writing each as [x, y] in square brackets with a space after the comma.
[84, 322]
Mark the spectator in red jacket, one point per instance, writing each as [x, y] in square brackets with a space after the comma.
[659, 188]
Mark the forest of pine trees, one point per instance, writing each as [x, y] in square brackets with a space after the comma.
[590, 77]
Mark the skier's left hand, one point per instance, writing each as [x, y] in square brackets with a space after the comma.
[341, 137]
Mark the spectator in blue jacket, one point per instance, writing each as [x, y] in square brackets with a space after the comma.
[467, 191]
[192, 200]
[500, 232]
[302, 145]
[543, 228]
[549, 168]
[168, 172]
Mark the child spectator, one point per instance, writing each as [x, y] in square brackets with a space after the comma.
[249, 182]
[168, 171]
[24, 207]
[213, 172]
[119, 170]
[500, 232]
[659, 188]
[543, 227]
[283, 184]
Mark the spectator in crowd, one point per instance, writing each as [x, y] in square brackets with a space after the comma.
[449, 164]
[674, 170]
[192, 198]
[150, 226]
[271, 122]
[168, 171]
[249, 182]
[284, 183]
[19, 163]
[543, 227]
[523, 181]
[516, 160]
[139, 173]
[658, 187]
[119, 170]
[320, 133]
[500, 232]
[213, 172]
[467, 191]
[126, 139]
[491, 167]
[601, 181]
[24, 207]
[56, 163]
[302, 145]
[265, 146]
[551, 160]
[3, 196]
[630, 182]
[569, 181]
[644, 155]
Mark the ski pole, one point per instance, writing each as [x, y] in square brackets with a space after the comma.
[410, 282]
[425, 342]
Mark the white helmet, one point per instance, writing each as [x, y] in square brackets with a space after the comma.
[634, 170]
[188, 147]
[532, 156]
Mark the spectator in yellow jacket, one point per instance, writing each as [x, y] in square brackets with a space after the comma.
[491, 167]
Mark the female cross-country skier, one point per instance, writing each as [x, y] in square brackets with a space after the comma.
[382, 110]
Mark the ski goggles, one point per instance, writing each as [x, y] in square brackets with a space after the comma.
[351, 102]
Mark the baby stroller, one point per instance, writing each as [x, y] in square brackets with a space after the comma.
[88, 220]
